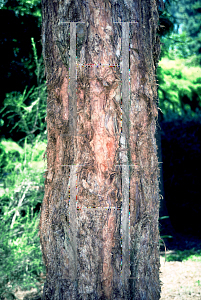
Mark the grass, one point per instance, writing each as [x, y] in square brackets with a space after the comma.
[185, 255]
[21, 193]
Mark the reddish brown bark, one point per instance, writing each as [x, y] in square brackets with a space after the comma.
[82, 244]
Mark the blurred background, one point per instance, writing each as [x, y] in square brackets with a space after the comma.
[23, 138]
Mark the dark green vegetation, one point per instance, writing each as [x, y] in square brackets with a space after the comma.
[23, 133]
[20, 77]
[178, 255]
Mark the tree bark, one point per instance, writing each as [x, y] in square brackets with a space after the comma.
[99, 218]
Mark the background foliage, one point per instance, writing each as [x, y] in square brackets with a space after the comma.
[21, 192]
[179, 87]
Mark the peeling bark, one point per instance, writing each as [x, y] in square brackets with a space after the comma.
[86, 248]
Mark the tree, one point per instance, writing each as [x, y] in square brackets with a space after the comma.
[187, 14]
[99, 218]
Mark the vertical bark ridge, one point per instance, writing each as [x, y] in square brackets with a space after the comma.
[124, 156]
[73, 133]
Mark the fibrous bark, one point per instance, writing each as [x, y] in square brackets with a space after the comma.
[84, 215]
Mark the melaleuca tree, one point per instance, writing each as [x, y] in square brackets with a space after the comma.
[99, 218]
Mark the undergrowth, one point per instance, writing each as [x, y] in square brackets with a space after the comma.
[22, 187]
[21, 191]
[185, 255]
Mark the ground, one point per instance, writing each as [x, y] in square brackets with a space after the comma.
[181, 280]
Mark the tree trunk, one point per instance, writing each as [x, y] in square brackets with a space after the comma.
[99, 218]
